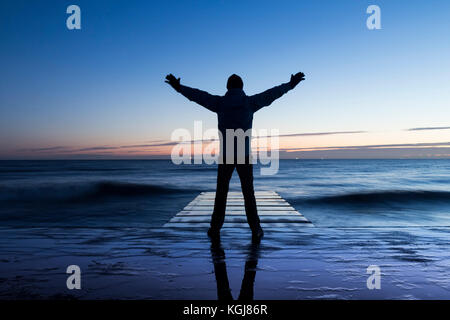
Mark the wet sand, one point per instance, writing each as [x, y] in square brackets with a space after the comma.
[162, 263]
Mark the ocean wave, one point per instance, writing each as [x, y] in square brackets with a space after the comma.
[378, 198]
[58, 169]
[196, 169]
[88, 191]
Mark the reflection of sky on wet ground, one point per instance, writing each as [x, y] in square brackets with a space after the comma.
[140, 263]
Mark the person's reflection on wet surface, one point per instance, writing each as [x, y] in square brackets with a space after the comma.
[220, 271]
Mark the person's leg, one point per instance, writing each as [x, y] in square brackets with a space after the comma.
[245, 172]
[224, 173]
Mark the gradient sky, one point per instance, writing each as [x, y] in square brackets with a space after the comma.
[98, 92]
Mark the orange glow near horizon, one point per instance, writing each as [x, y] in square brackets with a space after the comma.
[289, 144]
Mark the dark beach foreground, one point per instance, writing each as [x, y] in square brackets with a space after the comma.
[156, 263]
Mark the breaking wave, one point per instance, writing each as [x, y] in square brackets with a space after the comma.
[89, 191]
[379, 198]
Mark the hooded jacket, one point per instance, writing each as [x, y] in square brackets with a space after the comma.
[235, 109]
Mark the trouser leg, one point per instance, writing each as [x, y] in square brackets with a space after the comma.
[245, 172]
[224, 173]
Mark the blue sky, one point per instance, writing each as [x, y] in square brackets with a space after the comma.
[103, 85]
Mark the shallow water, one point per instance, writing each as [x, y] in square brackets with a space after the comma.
[142, 263]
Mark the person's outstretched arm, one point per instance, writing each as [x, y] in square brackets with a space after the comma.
[265, 98]
[203, 98]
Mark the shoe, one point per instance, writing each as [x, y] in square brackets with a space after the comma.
[257, 235]
[213, 234]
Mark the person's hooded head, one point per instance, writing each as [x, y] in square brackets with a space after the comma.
[235, 82]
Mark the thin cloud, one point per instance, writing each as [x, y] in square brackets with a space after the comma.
[314, 134]
[372, 146]
[155, 141]
[164, 143]
[428, 128]
[168, 143]
[97, 148]
[57, 148]
[371, 153]
[172, 143]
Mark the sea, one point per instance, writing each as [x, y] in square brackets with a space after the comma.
[147, 193]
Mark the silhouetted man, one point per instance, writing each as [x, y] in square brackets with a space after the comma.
[235, 111]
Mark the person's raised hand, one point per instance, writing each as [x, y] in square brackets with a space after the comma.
[174, 82]
[296, 78]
